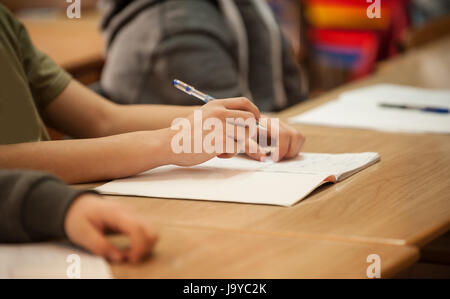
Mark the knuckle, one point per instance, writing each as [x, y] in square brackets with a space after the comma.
[245, 101]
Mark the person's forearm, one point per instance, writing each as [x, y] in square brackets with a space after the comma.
[87, 160]
[129, 118]
[81, 113]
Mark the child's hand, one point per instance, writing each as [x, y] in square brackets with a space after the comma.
[90, 217]
[236, 108]
[289, 142]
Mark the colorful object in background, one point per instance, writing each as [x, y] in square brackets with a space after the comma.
[353, 50]
[343, 39]
[345, 14]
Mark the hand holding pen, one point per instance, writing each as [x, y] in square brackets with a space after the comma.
[190, 90]
[288, 142]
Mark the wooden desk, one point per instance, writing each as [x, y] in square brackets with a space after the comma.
[404, 199]
[211, 253]
[76, 45]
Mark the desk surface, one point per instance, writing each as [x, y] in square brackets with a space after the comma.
[71, 43]
[211, 253]
[404, 199]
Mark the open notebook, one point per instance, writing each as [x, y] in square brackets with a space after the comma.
[243, 180]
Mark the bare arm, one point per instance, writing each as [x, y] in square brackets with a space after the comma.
[87, 160]
[81, 113]
[140, 143]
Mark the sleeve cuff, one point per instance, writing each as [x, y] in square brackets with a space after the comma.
[46, 208]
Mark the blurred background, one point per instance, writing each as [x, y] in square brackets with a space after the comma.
[334, 40]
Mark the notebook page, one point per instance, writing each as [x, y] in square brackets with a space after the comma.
[305, 163]
[240, 162]
[327, 164]
[217, 184]
[49, 260]
[241, 179]
[360, 109]
[397, 94]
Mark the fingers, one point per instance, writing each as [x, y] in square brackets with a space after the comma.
[247, 117]
[226, 156]
[93, 239]
[243, 140]
[244, 115]
[90, 218]
[254, 151]
[239, 132]
[288, 140]
[83, 229]
[142, 241]
[296, 143]
[283, 146]
[241, 104]
[142, 238]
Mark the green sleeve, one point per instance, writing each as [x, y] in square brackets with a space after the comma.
[46, 79]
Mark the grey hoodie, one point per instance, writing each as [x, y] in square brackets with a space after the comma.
[226, 48]
[33, 206]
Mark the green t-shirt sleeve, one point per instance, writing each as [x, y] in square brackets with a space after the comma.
[46, 79]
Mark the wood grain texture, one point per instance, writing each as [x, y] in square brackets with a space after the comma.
[404, 199]
[210, 253]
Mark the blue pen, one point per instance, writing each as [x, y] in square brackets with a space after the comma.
[440, 110]
[198, 94]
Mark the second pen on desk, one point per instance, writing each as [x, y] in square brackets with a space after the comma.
[200, 95]
[440, 110]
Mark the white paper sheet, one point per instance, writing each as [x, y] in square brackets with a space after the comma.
[50, 260]
[306, 163]
[242, 180]
[360, 109]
